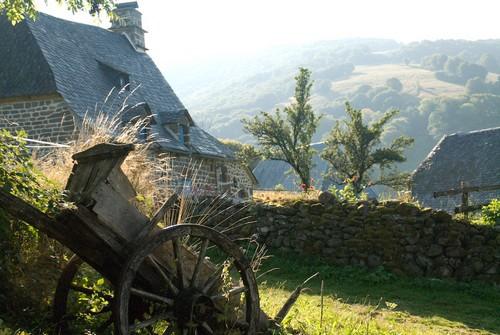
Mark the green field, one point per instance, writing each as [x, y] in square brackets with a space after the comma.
[361, 302]
[410, 76]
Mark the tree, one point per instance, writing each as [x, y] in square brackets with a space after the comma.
[353, 150]
[476, 85]
[286, 135]
[245, 153]
[468, 70]
[435, 62]
[395, 84]
[18, 10]
[489, 62]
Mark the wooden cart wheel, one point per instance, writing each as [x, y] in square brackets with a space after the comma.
[81, 302]
[188, 292]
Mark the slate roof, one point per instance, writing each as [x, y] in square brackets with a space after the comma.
[470, 157]
[81, 62]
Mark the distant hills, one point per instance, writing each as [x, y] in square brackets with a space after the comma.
[440, 87]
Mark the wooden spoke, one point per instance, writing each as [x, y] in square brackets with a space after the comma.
[170, 285]
[207, 328]
[233, 291]
[213, 279]
[151, 321]
[199, 262]
[178, 261]
[152, 296]
[189, 271]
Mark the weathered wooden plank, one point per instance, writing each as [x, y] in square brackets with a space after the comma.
[92, 168]
[122, 184]
[117, 213]
[103, 151]
[19, 209]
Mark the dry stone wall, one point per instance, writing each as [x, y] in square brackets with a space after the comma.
[398, 236]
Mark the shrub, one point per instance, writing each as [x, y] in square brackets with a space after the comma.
[491, 213]
[29, 261]
[279, 188]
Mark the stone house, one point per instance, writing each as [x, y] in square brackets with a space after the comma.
[54, 74]
[470, 158]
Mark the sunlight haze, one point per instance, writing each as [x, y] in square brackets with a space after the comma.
[189, 31]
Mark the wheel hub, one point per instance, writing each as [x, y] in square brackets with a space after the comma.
[192, 308]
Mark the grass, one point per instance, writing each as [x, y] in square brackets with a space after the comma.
[360, 302]
[410, 76]
[270, 196]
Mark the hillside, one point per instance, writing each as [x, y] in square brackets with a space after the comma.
[445, 86]
[411, 77]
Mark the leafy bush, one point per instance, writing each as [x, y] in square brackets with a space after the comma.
[19, 177]
[29, 261]
[347, 194]
[491, 213]
[279, 188]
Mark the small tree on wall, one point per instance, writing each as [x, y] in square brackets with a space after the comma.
[353, 149]
[286, 134]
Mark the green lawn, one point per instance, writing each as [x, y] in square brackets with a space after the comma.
[361, 302]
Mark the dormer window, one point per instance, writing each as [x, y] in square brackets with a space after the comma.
[118, 78]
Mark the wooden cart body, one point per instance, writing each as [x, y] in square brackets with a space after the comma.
[104, 228]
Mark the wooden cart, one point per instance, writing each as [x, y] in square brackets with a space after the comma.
[163, 280]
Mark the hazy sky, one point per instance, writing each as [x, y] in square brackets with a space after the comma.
[186, 31]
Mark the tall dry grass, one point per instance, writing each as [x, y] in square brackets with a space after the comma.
[152, 175]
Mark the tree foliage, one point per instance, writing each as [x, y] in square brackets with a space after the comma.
[353, 149]
[18, 10]
[286, 134]
[395, 84]
[245, 153]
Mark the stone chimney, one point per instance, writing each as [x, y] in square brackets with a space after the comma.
[127, 20]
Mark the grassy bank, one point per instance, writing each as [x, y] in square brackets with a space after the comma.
[360, 302]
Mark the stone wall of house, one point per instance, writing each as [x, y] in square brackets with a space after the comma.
[208, 176]
[44, 118]
[398, 236]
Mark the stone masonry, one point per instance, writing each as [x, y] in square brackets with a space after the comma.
[207, 176]
[401, 237]
[48, 118]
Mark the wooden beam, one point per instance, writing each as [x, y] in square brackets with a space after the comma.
[467, 190]
[20, 209]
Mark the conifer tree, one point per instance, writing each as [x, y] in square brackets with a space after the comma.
[353, 149]
[286, 134]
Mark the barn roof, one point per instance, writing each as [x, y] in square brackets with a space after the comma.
[470, 157]
[82, 63]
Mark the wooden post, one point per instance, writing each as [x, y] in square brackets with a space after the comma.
[465, 200]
